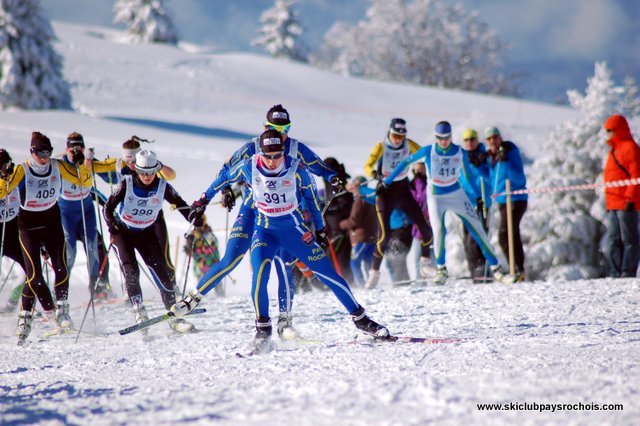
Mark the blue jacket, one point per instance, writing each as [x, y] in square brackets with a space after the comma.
[476, 176]
[512, 168]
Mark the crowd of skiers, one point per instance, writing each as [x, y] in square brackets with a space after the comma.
[48, 204]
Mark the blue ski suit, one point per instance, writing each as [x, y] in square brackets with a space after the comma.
[274, 233]
[242, 229]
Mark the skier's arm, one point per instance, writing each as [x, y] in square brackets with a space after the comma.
[172, 197]
[372, 161]
[417, 156]
[110, 206]
[239, 172]
[13, 180]
[315, 165]
[166, 172]
[240, 156]
[309, 192]
[633, 166]
[355, 217]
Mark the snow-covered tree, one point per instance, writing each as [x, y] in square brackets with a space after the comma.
[30, 69]
[147, 21]
[280, 32]
[418, 41]
[563, 230]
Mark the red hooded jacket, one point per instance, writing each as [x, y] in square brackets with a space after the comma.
[623, 162]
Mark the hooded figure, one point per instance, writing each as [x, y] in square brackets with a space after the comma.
[622, 202]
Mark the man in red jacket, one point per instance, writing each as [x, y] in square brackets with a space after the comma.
[622, 202]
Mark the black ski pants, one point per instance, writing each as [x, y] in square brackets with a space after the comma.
[36, 229]
[145, 242]
[517, 209]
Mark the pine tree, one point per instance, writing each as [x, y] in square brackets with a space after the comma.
[563, 230]
[281, 31]
[418, 41]
[30, 69]
[147, 21]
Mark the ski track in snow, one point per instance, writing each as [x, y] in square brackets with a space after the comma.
[536, 342]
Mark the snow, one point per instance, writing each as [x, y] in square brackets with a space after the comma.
[541, 342]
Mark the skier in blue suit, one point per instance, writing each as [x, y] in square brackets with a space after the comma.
[240, 237]
[278, 185]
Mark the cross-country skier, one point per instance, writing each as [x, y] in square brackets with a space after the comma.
[278, 119]
[444, 161]
[132, 229]
[126, 166]
[477, 186]
[384, 158]
[9, 209]
[278, 185]
[39, 224]
[77, 208]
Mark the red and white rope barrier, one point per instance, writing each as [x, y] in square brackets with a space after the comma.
[585, 187]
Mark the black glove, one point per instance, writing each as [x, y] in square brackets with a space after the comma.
[376, 175]
[381, 187]
[322, 238]
[77, 157]
[228, 198]
[630, 206]
[337, 183]
[6, 170]
[478, 158]
[44, 252]
[114, 227]
[197, 211]
[501, 155]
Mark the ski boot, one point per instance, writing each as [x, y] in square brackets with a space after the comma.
[367, 325]
[285, 327]
[103, 292]
[188, 304]
[262, 339]
[500, 276]
[441, 275]
[24, 326]
[426, 268]
[180, 325]
[62, 317]
[372, 279]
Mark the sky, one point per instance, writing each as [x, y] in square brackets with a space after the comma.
[554, 44]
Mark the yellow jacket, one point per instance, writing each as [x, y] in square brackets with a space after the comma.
[376, 155]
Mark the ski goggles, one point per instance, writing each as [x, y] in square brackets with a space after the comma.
[274, 156]
[43, 154]
[149, 171]
[277, 127]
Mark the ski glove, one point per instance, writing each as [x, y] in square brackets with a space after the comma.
[337, 183]
[89, 154]
[322, 238]
[381, 187]
[114, 227]
[307, 237]
[197, 211]
[6, 170]
[228, 198]
[77, 157]
[630, 206]
[376, 175]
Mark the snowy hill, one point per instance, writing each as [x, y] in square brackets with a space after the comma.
[536, 343]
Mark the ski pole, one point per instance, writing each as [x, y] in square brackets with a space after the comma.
[97, 200]
[512, 260]
[86, 242]
[189, 237]
[5, 201]
[490, 217]
[91, 303]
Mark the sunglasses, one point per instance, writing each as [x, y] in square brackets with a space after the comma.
[443, 138]
[146, 172]
[492, 137]
[7, 168]
[43, 154]
[279, 128]
[469, 139]
[272, 156]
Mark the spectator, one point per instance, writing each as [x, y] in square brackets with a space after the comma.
[622, 202]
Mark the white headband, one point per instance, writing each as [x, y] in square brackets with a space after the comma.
[129, 155]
